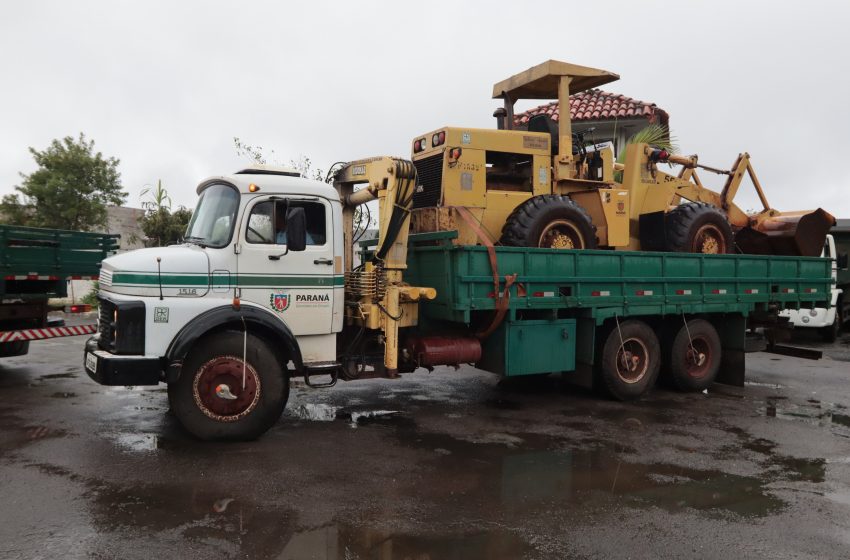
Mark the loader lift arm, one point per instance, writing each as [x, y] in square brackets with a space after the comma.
[767, 231]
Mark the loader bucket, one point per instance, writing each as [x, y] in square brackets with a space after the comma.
[800, 233]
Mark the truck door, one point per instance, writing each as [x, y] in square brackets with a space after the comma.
[296, 286]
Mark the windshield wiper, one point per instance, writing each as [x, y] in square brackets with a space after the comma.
[196, 240]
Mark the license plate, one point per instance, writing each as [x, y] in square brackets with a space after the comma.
[91, 362]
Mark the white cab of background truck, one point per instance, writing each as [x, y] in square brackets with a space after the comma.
[827, 320]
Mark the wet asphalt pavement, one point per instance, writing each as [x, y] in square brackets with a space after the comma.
[447, 465]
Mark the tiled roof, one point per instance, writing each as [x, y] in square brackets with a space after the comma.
[596, 105]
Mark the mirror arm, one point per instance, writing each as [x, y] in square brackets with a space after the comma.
[277, 257]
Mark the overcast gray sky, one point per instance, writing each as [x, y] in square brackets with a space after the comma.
[165, 86]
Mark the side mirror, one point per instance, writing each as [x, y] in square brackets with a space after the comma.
[296, 229]
[841, 261]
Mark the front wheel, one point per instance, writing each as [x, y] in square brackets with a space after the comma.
[221, 396]
[696, 227]
[630, 360]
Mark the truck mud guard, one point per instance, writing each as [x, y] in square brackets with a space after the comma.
[256, 320]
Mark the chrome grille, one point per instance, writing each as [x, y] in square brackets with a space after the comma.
[106, 325]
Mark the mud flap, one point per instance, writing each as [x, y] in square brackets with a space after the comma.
[733, 343]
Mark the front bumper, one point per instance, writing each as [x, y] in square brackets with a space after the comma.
[112, 369]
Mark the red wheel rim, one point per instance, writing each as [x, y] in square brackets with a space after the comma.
[220, 392]
[632, 360]
[698, 357]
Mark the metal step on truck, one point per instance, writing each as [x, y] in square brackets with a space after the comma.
[35, 266]
[264, 290]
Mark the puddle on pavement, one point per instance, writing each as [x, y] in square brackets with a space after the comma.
[220, 524]
[813, 412]
[328, 413]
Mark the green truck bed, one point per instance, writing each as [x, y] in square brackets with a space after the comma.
[601, 284]
[36, 262]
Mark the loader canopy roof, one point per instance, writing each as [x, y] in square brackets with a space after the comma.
[541, 81]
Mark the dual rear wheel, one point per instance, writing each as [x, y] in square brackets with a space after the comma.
[631, 358]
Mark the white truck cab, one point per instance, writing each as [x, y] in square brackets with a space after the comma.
[827, 320]
[263, 256]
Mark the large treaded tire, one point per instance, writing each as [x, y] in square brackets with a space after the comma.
[530, 220]
[694, 368]
[630, 360]
[215, 361]
[688, 223]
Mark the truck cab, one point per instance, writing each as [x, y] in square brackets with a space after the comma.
[263, 252]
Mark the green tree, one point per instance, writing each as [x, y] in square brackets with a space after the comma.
[161, 225]
[71, 189]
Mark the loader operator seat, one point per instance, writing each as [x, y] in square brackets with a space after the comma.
[545, 123]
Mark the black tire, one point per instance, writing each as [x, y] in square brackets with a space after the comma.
[830, 333]
[693, 361]
[697, 227]
[550, 220]
[15, 348]
[629, 368]
[213, 372]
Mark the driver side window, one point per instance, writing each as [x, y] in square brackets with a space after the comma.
[267, 222]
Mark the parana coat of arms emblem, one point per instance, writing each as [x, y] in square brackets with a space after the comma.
[279, 302]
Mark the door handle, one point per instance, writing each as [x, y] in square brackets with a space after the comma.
[323, 261]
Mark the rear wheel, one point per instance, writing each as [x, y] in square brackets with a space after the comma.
[552, 221]
[16, 348]
[694, 356]
[830, 332]
[696, 227]
[630, 360]
[220, 396]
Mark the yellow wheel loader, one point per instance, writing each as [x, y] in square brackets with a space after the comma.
[544, 186]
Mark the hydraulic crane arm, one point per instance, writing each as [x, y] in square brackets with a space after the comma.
[377, 297]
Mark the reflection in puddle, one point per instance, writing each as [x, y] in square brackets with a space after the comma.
[229, 526]
[555, 477]
[814, 412]
[328, 413]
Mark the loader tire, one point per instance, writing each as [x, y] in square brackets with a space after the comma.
[220, 397]
[697, 227]
[552, 221]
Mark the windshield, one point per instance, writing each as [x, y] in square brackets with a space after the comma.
[212, 222]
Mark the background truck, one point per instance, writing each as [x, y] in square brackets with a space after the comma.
[35, 265]
[829, 321]
[264, 290]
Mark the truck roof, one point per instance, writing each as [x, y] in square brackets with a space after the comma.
[273, 183]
